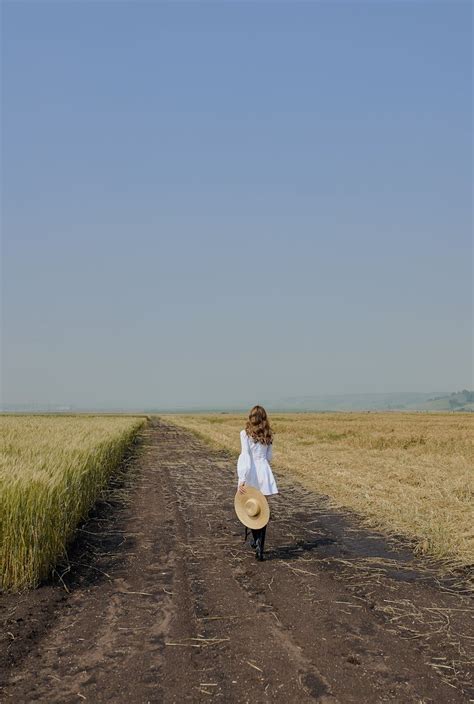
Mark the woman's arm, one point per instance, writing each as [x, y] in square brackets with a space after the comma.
[244, 462]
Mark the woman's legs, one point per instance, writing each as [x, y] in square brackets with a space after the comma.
[259, 541]
[255, 535]
[262, 539]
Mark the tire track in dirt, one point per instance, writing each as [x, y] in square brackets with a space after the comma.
[170, 605]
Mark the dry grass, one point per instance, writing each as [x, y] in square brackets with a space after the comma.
[51, 471]
[407, 473]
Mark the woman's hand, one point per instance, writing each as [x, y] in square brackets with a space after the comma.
[242, 488]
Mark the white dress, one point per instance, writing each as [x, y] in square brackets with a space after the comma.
[253, 465]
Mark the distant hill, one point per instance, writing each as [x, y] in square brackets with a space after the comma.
[456, 401]
[401, 401]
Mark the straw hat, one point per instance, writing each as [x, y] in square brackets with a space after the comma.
[252, 508]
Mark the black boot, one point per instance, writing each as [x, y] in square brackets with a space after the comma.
[260, 544]
[253, 542]
[264, 532]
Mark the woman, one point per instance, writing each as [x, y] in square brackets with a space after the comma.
[253, 466]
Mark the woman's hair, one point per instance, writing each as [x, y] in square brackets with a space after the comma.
[258, 427]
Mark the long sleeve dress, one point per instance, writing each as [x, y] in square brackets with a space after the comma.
[253, 465]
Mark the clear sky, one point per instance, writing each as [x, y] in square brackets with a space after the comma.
[212, 203]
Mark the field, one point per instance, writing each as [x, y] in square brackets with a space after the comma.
[51, 471]
[164, 600]
[407, 473]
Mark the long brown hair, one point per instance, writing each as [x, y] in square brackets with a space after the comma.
[258, 426]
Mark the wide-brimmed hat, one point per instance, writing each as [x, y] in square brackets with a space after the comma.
[252, 508]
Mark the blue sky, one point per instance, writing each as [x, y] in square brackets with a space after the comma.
[214, 203]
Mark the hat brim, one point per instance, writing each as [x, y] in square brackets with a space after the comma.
[262, 518]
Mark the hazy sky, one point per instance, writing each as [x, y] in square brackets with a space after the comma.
[217, 203]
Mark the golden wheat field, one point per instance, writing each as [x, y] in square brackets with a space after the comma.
[406, 473]
[51, 471]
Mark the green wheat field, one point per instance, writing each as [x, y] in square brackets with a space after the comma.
[52, 469]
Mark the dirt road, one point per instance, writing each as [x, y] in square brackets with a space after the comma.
[167, 604]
